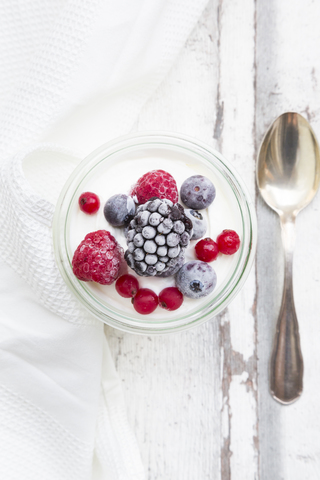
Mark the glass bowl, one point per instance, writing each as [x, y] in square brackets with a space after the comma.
[113, 168]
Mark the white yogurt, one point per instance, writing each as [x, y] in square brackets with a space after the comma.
[105, 181]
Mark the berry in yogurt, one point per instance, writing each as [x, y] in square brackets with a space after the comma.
[207, 250]
[196, 279]
[157, 238]
[98, 258]
[170, 298]
[157, 234]
[198, 221]
[119, 210]
[228, 242]
[145, 301]
[156, 183]
[89, 203]
[197, 192]
[127, 286]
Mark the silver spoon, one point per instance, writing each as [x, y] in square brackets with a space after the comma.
[288, 174]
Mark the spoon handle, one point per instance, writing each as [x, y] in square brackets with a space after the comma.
[286, 366]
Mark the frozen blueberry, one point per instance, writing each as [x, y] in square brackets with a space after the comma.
[199, 223]
[197, 192]
[119, 210]
[196, 279]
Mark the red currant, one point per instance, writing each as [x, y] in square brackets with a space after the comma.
[127, 286]
[170, 298]
[228, 242]
[145, 301]
[207, 250]
[89, 203]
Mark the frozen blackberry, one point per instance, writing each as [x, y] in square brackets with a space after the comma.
[157, 238]
[174, 265]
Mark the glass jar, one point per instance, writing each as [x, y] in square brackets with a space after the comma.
[155, 150]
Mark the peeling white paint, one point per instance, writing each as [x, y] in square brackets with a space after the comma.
[192, 397]
[243, 430]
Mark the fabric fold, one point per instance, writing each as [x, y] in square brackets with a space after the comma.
[74, 74]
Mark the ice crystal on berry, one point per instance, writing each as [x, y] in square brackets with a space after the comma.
[98, 258]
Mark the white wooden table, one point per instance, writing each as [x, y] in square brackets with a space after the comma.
[198, 401]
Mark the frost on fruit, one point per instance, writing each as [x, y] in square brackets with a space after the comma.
[119, 210]
[98, 258]
[198, 221]
[196, 279]
[197, 192]
[157, 238]
[156, 183]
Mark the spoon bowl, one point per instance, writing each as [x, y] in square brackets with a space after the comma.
[288, 175]
[288, 169]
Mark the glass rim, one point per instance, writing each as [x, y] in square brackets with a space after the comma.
[216, 304]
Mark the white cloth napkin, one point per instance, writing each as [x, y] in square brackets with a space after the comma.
[75, 73]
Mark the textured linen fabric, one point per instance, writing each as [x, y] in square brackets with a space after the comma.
[74, 73]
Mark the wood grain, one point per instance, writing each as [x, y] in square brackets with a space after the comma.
[288, 67]
[172, 383]
[198, 401]
[239, 438]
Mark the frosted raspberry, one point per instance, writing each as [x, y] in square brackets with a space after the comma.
[156, 183]
[98, 258]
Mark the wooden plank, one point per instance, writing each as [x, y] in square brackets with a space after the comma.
[172, 383]
[192, 397]
[234, 132]
[288, 66]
